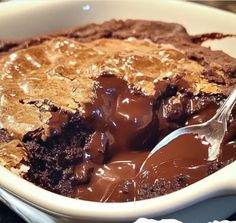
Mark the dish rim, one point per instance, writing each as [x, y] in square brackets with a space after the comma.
[166, 204]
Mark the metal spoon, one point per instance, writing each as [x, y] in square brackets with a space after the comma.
[212, 130]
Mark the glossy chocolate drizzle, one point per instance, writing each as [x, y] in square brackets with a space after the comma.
[126, 127]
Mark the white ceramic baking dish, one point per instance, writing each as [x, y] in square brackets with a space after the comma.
[211, 198]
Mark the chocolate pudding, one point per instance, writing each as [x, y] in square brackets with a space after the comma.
[81, 110]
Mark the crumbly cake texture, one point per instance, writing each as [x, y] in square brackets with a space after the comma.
[51, 78]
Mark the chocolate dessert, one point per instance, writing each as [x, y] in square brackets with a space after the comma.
[81, 110]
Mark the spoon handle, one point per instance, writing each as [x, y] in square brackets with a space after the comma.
[223, 113]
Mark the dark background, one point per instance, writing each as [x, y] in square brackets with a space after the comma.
[8, 216]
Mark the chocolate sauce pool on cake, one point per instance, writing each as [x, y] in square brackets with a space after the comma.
[125, 128]
[187, 155]
[122, 120]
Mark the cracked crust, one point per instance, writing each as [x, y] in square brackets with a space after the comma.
[41, 75]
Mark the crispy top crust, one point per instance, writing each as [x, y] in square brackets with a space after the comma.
[60, 71]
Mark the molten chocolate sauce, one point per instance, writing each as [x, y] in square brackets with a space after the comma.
[126, 127]
[187, 155]
[122, 120]
[57, 122]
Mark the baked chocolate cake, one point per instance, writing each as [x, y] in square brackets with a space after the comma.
[81, 110]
